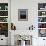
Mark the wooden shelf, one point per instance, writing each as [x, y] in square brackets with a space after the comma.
[41, 28]
[3, 22]
[42, 10]
[42, 16]
[3, 16]
[41, 22]
[3, 10]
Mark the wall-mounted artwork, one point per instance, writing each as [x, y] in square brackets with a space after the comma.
[22, 14]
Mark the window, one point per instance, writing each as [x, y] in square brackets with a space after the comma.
[23, 14]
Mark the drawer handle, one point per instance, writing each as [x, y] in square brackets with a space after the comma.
[1, 39]
[43, 39]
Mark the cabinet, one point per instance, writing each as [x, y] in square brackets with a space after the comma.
[42, 19]
[3, 40]
[4, 19]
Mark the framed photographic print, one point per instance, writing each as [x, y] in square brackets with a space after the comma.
[22, 14]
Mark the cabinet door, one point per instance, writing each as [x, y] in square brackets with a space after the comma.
[41, 41]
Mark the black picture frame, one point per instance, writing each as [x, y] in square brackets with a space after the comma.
[22, 14]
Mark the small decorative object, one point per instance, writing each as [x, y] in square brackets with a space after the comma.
[40, 19]
[42, 25]
[43, 13]
[0, 7]
[23, 40]
[31, 27]
[6, 7]
[45, 7]
[4, 20]
[41, 6]
[13, 27]
[42, 32]
[26, 39]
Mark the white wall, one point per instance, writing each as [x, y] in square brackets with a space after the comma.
[32, 13]
[32, 6]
